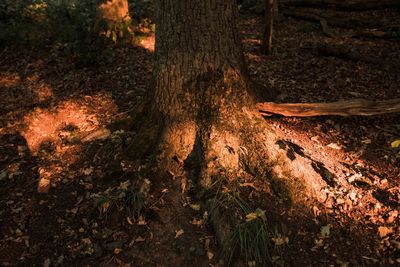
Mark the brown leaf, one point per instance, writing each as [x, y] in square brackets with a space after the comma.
[384, 231]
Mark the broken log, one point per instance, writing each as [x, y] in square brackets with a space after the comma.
[345, 5]
[344, 52]
[390, 32]
[346, 23]
[310, 17]
[355, 107]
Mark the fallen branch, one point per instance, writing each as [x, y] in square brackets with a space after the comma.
[344, 52]
[346, 23]
[345, 5]
[310, 17]
[355, 107]
[391, 32]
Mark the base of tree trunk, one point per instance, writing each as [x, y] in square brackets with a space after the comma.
[237, 143]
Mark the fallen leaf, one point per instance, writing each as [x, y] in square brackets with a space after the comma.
[280, 240]
[392, 216]
[141, 221]
[97, 135]
[334, 146]
[44, 185]
[251, 216]
[178, 233]
[248, 185]
[129, 220]
[140, 239]
[384, 231]
[3, 175]
[197, 222]
[117, 251]
[195, 207]
[87, 171]
[325, 231]
[125, 185]
[395, 144]
[366, 141]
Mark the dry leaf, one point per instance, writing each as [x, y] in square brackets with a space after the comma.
[125, 185]
[140, 239]
[44, 185]
[384, 231]
[197, 222]
[325, 231]
[87, 171]
[334, 146]
[117, 251]
[129, 220]
[141, 221]
[280, 240]
[195, 207]
[178, 233]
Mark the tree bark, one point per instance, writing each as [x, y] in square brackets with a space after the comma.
[269, 20]
[200, 117]
[353, 107]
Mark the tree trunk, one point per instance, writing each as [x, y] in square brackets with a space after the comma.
[200, 118]
[269, 19]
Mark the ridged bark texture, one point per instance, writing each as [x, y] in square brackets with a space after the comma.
[199, 60]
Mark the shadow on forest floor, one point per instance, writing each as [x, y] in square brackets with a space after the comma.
[64, 176]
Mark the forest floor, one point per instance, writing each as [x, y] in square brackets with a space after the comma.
[70, 196]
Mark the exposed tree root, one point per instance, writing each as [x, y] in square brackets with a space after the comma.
[240, 144]
[352, 107]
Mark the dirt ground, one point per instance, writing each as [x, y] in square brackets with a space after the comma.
[65, 171]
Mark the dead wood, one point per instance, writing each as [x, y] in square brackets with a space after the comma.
[349, 5]
[390, 32]
[310, 17]
[344, 52]
[345, 23]
[353, 107]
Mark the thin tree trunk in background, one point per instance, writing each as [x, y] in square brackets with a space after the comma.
[276, 10]
[269, 20]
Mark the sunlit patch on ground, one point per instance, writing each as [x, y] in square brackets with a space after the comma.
[148, 43]
[57, 134]
[43, 125]
[66, 123]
